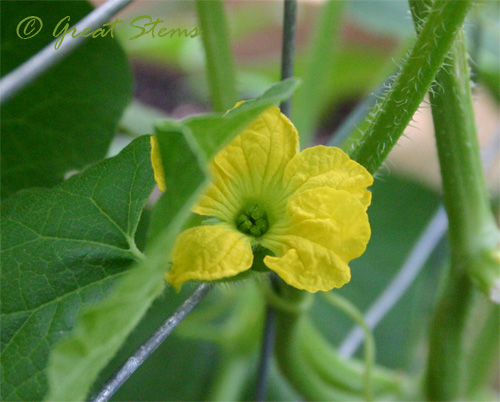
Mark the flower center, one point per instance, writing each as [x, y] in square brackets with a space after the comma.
[253, 221]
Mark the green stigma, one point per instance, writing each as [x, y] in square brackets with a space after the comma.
[252, 221]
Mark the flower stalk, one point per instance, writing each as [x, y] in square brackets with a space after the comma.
[311, 365]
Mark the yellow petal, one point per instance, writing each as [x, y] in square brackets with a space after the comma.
[208, 253]
[325, 229]
[157, 164]
[251, 166]
[310, 267]
[322, 166]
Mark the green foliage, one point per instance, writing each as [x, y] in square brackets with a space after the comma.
[184, 172]
[75, 285]
[63, 248]
[99, 333]
[66, 119]
[101, 329]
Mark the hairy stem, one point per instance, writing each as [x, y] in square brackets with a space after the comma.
[393, 113]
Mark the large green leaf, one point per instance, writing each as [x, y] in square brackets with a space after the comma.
[66, 119]
[62, 248]
[102, 328]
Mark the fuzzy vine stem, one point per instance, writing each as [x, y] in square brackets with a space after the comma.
[393, 113]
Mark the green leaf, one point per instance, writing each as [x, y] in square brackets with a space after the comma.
[101, 329]
[63, 248]
[184, 176]
[67, 118]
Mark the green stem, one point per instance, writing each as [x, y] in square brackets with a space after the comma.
[394, 112]
[348, 374]
[295, 366]
[472, 231]
[445, 376]
[232, 374]
[474, 236]
[484, 353]
[311, 365]
[220, 68]
[369, 346]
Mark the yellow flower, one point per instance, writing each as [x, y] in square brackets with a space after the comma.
[307, 210]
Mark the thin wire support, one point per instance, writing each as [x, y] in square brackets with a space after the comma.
[148, 347]
[35, 66]
[266, 353]
[288, 48]
[287, 63]
[431, 236]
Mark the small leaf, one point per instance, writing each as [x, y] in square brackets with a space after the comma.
[63, 248]
[213, 131]
[184, 175]
[66, 119]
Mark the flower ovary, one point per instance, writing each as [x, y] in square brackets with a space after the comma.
[253, 221]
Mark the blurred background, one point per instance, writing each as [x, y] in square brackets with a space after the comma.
[369, 40]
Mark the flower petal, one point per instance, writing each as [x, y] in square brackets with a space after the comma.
[310, 267]
[157, 164]
[322, 166]
[209, 253]
[251, 166]
[326, 229]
